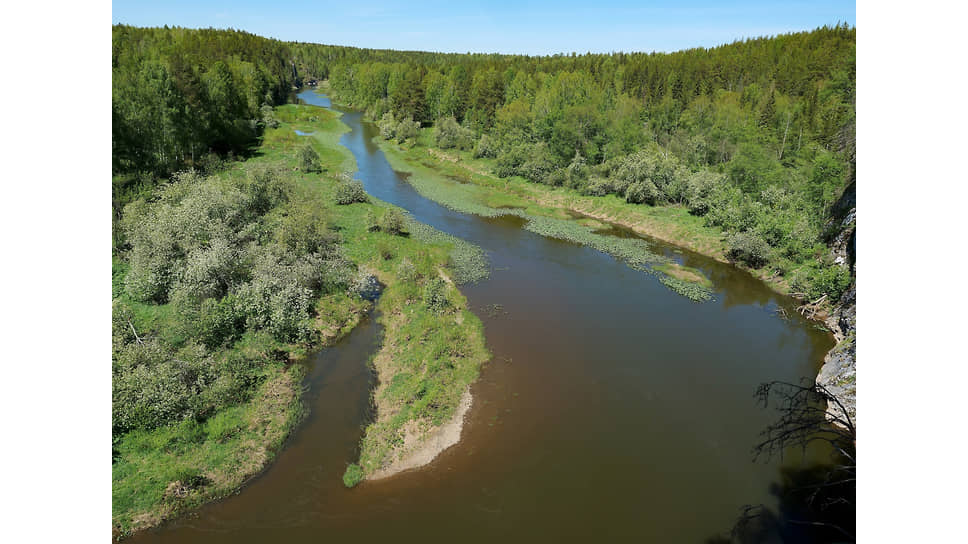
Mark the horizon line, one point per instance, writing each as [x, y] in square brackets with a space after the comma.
[838, 24]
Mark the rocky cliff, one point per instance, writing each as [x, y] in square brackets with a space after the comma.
[839, 371]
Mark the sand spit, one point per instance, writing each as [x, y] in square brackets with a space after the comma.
[420, 449]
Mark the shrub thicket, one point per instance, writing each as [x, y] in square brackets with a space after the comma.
[393, 222]
[353, 475]
[309, 159]
[229, 259]
[435, 295]
[749, 249]
[349, 191]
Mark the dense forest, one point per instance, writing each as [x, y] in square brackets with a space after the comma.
[187, 99]
[178, 94]
[757, 136]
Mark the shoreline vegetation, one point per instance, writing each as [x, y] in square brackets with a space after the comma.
[239, 246]
[167, 466]
[460, 184]
[742, 152]
[458, 180]
[461, 180]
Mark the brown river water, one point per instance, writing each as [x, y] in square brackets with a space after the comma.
[613, 408]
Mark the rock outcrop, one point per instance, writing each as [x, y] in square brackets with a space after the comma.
[839, 371]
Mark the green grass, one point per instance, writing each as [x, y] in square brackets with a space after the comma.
[430, 358]
[353, 475]
[430, 355]
[468, 261]
[224, 450]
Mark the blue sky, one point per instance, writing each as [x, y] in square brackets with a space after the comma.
[536, 28]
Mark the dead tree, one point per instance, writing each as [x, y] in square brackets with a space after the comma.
[803, 420]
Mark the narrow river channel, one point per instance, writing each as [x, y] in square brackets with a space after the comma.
[613, 409]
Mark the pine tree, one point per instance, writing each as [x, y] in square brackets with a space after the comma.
[769, 110]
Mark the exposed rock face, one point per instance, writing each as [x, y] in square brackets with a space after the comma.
[839, 371]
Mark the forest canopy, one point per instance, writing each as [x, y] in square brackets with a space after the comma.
[756, 136]
[179, 93]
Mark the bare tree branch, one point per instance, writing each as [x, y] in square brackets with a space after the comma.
[136, 337]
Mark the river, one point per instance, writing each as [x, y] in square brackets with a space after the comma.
[613, 409]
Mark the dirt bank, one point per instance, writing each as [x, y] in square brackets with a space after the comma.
[420, 448]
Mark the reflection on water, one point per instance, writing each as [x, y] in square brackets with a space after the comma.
[613, 409]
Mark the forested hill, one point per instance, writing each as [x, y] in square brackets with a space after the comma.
[816, 66]
[179, 93]
[756, 136]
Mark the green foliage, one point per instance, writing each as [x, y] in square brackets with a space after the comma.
[191, 478]
[393, 222]
[435, 295]
[228, 257]
[371, 221]
[577, 171]
[218, 321]
[699, 188]
[754, 136]
[633, 251]
[309, 159]
[268, 116]
[222, 426]
[254, 272]
[825, 181]
[640, 192]
[688, 289]
[353, 475]
[406, 129]
[407, 271]
[388, 126]
[433, 351]
[753, 170]
[533, 162]
[449, 134]
[486, 147]
[349, 191]
[177, 93]
[651, 168]
[385, 250]
[831, 280]
[467, 261]
[749, 249]
[305, 229]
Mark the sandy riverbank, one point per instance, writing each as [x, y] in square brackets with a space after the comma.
[420, 448]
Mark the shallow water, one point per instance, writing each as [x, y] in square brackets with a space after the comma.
[613, 409]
